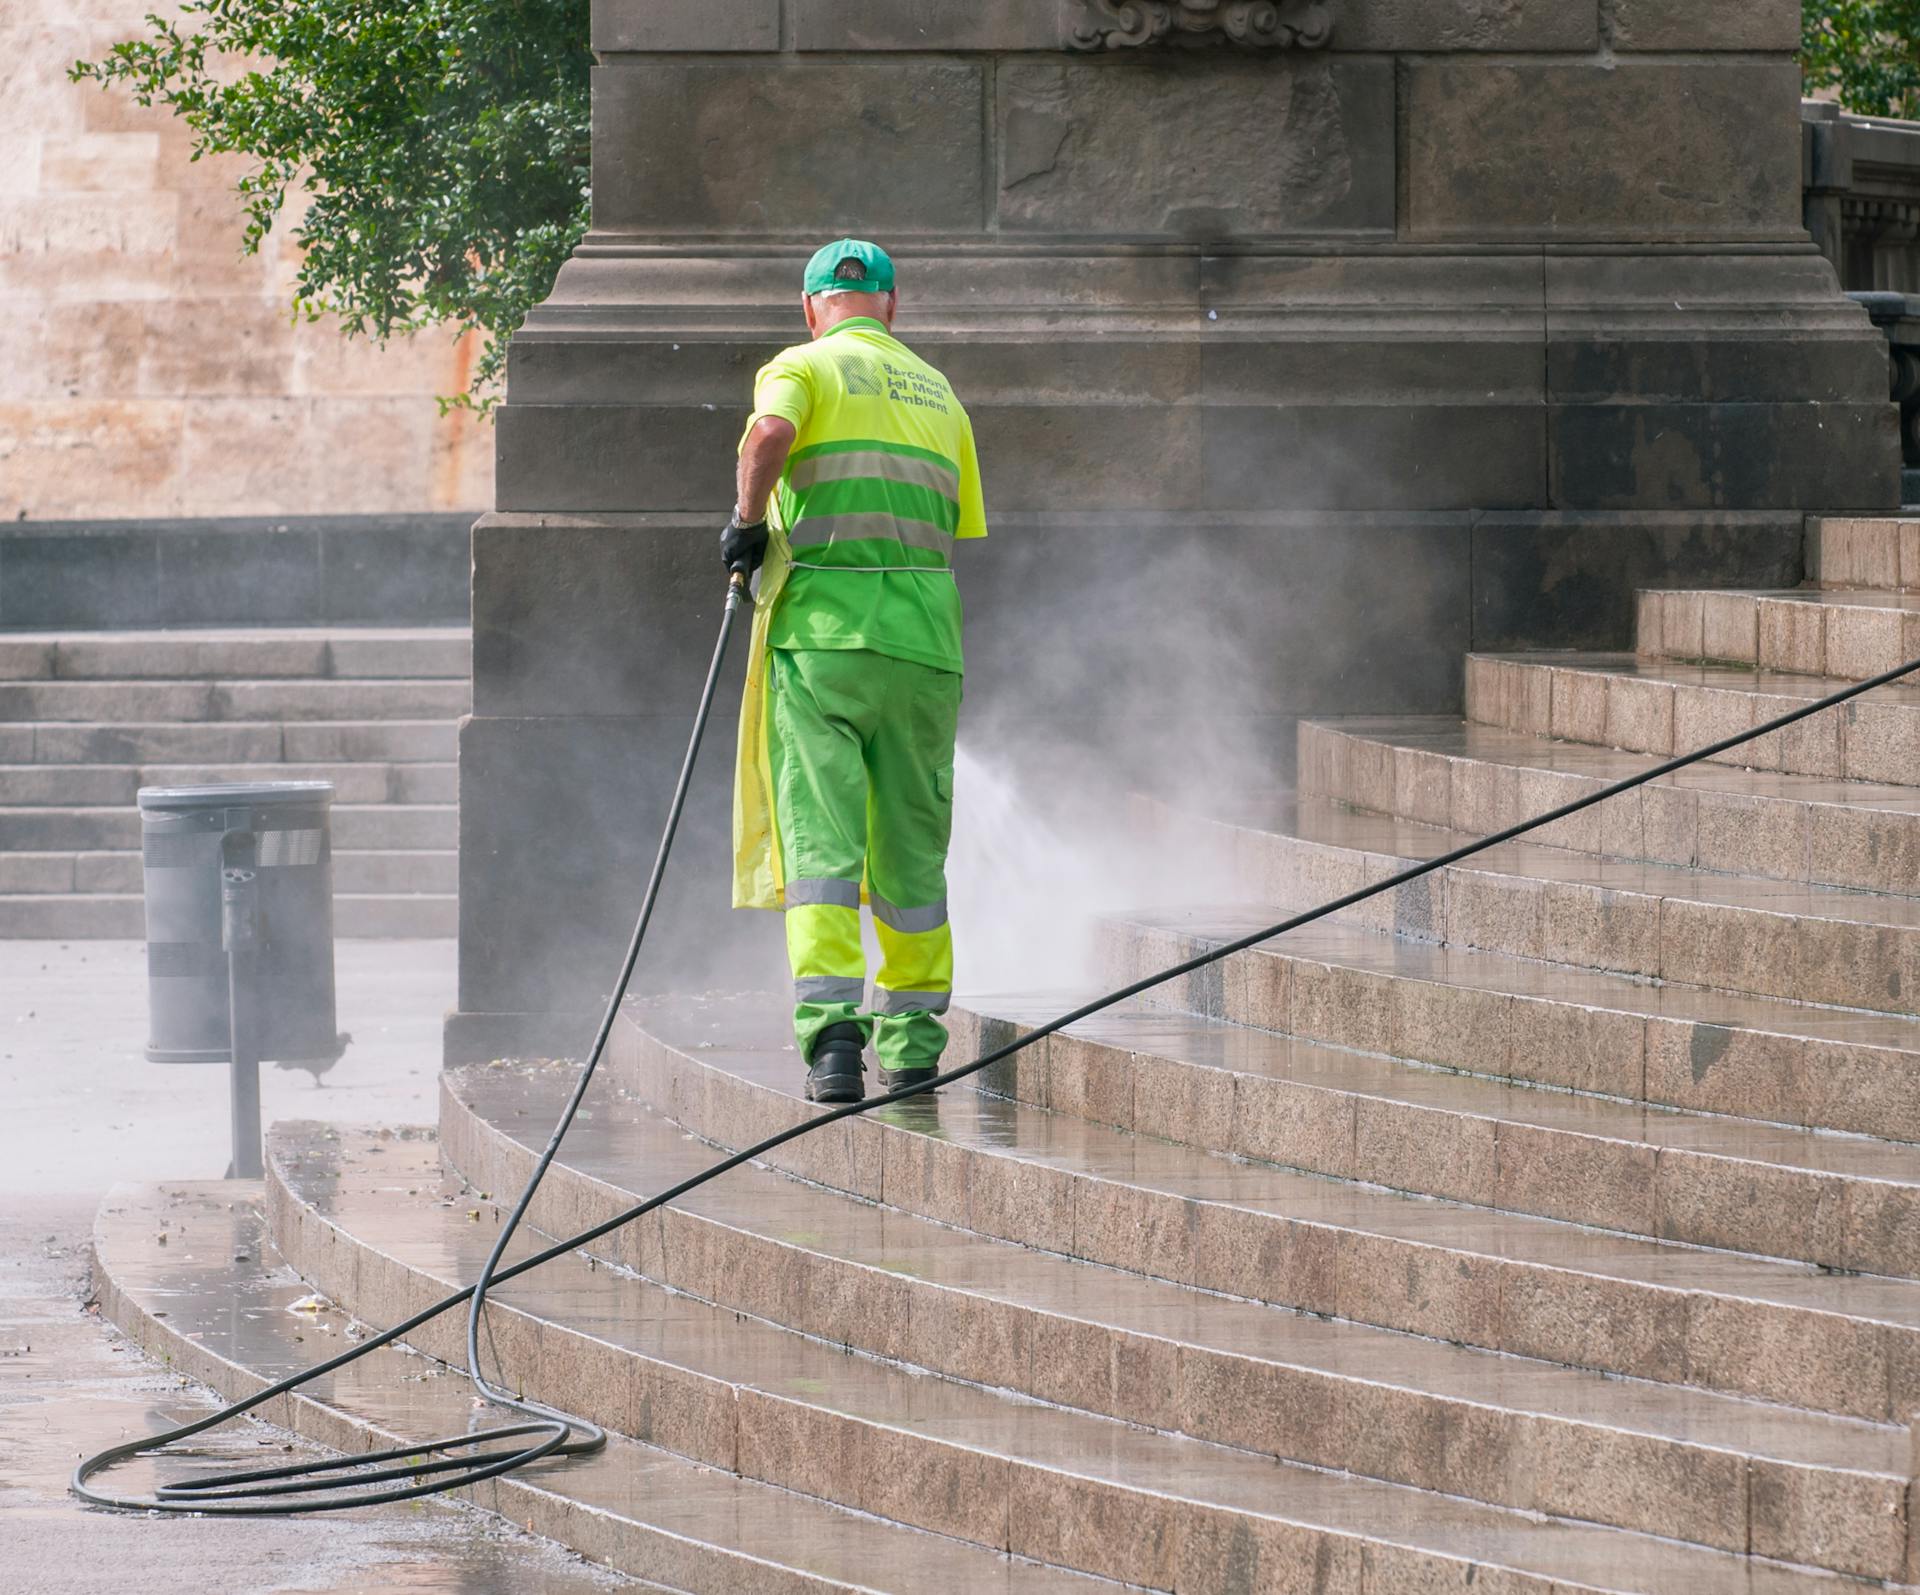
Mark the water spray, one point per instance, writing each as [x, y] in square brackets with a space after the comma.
[433, 1467]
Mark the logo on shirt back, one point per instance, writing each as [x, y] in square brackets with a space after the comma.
[861, 375]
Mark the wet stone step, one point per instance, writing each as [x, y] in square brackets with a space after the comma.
[1848, 634]
[1554, 1025]
[1839, 1201]
[1060, 1486]
[1653, 706]
[1779, 1331]
[1481, 779]
[1335, 1395]
[645, 1511]
[1741, 933]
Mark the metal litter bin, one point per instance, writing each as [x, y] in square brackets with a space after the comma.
[239, 904]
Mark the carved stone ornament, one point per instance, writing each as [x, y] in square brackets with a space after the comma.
[1257, 24]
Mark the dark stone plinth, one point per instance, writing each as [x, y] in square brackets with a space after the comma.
[1295, 372]
[241, 570]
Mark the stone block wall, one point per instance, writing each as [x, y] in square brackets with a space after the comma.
[1295, 372]
[147, 369]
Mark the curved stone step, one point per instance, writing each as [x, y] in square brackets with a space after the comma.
[1480, 779]
[1875, 551]
[1064, 1487]
[1783, 1332]
[1743, 933]
[1680, 1463]
[1650, 706]
[1849, 634]
[218, 1311]
[1706, 1180]
[1546, 1024]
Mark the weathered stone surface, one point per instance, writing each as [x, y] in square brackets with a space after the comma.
[1557, 580]
[1714, 456]
[932, 24]
[1702, 24]
[1323, 163]
[620, 26]
[1636, 150]
[1455, 25]
[751, 150]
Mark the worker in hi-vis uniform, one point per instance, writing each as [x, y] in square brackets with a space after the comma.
[857, 473]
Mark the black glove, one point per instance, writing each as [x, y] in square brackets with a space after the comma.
[742, 547]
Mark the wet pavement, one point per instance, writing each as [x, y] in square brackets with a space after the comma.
[85, 1110]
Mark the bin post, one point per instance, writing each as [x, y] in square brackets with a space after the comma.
[240, 936]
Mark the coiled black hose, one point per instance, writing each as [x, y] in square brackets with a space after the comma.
[460, 1460]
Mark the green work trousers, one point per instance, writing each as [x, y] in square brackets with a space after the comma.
[862, 754]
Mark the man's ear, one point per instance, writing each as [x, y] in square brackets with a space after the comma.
[806, 309]
[893, 304]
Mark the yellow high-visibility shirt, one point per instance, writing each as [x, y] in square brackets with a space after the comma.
[881, 481]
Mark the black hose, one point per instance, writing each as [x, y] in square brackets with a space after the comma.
[246, 1493]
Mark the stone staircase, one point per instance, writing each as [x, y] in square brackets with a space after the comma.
[1550, 1225]
[86, 719]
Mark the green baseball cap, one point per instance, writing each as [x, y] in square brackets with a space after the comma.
[825, 276]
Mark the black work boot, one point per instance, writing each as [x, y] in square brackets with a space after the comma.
[836, 1074]
[899, 1079]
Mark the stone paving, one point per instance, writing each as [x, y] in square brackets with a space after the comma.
[84, 1111]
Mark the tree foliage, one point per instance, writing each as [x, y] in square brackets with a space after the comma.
[1867, 49]
[444, 145]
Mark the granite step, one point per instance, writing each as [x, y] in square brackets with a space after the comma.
[1063, 1487]
[1765, 936]
[1702, 1179]
[1878, 551]
[96, 785]
[1848, 634]
[222, 1315]
[1480, 779]
[364, 827]
[369, 698]
[1714, 1320]
[1545, 1024]
[1683, 1464]
[1664, 707]
[95, 916]
[231, 742]
[230, 653]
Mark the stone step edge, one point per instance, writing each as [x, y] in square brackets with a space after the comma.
[1869, 739]
[544, 1508]
[1878, 552]
[1372, 1136]
[1843, 1364]
[1777, 630]
[1567, 1041]
[858, 1304]
[1831, 960]
[934, 1483]
[1359, 768]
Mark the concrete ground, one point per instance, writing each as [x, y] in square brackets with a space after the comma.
[80, 1109]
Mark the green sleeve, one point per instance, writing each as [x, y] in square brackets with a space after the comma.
[973, 504]
[784, 388]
